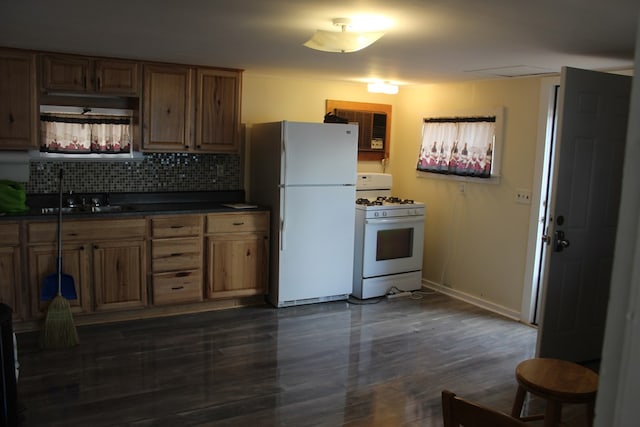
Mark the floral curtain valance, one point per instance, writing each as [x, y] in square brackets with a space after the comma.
[77, 133]
[458, 146]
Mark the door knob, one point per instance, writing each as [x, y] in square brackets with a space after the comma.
[560, 242]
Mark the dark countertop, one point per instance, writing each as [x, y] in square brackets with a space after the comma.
[136, 204]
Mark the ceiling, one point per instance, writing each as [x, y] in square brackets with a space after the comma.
[430, 41]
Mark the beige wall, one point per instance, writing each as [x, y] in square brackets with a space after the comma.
[474, 243]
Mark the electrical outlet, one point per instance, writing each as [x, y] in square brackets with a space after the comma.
[523, 196]
[461, 188]
[219, 170]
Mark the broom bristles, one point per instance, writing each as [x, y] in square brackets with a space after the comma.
[59, 329]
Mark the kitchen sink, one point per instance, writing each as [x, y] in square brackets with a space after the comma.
[86, 209]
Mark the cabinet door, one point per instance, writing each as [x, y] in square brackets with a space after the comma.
[119, 275]
[117, 77]
[217, 110]
[43, 263]
[18, 112]
[236, 264]
[168, 116]
[65, 73]
[11, 280]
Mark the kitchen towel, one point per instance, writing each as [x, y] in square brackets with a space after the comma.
[13, 197]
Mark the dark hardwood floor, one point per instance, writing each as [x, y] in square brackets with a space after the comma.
[331, 364]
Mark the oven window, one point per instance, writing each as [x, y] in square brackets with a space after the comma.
[393, 244]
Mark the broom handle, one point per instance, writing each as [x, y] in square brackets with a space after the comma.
[60, 235]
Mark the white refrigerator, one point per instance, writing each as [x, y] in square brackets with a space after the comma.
[306, 174]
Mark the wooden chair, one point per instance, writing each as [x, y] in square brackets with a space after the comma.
[457, 411]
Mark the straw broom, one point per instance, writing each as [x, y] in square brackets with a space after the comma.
[59, 329]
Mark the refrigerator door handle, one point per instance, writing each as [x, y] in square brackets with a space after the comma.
[283, 204]
[283, 155]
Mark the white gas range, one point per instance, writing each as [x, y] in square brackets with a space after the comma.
[388, 241]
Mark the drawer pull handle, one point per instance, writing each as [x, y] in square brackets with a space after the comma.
[177, 226]
[183, 274]
[238, 223]
[177, 254]
[177, 288]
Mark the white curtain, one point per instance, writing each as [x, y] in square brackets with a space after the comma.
[459, 146]
[73, 133]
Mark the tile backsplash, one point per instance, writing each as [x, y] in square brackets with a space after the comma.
[155, 172]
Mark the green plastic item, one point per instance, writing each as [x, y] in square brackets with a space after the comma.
[13, 197]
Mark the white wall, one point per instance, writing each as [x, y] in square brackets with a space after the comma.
[619, 388]
[476, 241]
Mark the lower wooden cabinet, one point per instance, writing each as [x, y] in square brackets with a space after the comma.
[176, 259]
[166, 262]
[75, 262]
[10, 268]
[237, 254]
[105, 257]
[119, 274]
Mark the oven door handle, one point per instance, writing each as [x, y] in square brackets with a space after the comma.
[416, 220]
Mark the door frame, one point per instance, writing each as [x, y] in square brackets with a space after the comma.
[536, 230]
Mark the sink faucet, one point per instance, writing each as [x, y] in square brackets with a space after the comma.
[71, 201]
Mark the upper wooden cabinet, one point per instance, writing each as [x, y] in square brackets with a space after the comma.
[89, 75]
[167, 108]
[18, 105]
[217, 110]
[374, 126]
[182, 116]
[176, 108]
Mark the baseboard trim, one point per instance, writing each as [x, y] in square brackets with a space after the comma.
[479, 302]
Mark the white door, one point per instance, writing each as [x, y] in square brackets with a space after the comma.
[587, 179]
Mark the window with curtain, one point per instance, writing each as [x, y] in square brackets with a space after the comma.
[461, 146]
[78, 133]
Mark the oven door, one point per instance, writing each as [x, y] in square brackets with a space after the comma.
[392, 245]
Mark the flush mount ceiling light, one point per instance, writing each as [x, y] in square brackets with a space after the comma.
[342, 41]
[382, 87]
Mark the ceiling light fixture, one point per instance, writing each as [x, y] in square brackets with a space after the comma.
[342, 41]
[382, 87]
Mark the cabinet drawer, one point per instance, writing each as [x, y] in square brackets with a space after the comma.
[176, 254]
[10, 233]
[171, 288]
[176, 226]
[237, 222]
[92, 230]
